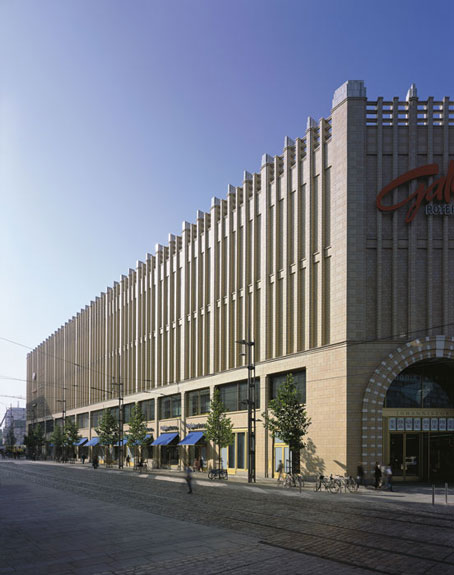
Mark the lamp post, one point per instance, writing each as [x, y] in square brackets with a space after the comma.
[251, 417]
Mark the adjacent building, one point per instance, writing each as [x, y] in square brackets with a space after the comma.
[14, 426]
[335, 259]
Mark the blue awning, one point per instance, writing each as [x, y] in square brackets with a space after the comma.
[165, 439]
[124, 441]
[81, 441]
[147, 436]
[192, 438]
[94, 441]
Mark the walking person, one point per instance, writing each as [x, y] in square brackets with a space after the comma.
[360, 474]
[377, 475]
[189, 478]
[201, 464]
[83, 458]
[280, 469]
[95, 462]
[389, 477]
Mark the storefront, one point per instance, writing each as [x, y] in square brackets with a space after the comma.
[419, 422]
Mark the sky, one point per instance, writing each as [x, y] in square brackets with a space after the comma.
[120, 119]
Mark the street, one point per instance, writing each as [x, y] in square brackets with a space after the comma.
[70, 520]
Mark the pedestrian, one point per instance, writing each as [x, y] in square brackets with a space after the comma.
[95, 462]
[280, 469]
[377, 475]
[128, 459]
[360, 475]
[189, 478]
[389, 477]
[83, 458]
[201, 463]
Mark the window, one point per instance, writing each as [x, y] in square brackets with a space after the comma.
[82, 420]
[198, 401]
[299, 378]
[234, 395]
[49, 425]
[426, 384]
[147, 407]
[127, 412]
[170, 406]
[96, 417]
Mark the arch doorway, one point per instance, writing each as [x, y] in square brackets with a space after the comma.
[418, 422]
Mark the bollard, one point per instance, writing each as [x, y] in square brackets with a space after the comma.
[433, 494]
[446, 493]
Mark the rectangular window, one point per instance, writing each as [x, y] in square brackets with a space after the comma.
[299, 378]
[198, 401]
[232, 455]
[241, 442]
[82, 420]
[234, 395]
[96, 417]
[147, 407]
[127, 412]
[170, 406]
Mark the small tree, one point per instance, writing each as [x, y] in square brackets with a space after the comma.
[71, 434]
[10, 439]
[108, 431]
[218, 425]
[288, 419]
[39, 438]
[58, 439]
[137, 430]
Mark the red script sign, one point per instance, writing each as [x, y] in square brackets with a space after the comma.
[440, 189]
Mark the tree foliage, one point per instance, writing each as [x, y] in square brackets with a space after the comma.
[107, 429]
[71, 433]
[137, 428]
[58, 439]
[287, 418]
[34, 440]
[218, 425]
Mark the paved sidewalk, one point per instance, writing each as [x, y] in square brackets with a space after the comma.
[47, 531]
[402, 492]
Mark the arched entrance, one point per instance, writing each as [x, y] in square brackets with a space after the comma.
[408, 411]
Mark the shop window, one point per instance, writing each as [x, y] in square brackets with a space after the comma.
[198, 401]
[147, 407]
[299, 378]
[234, 395]
[170, 406]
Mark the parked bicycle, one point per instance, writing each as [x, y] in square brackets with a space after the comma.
[218, 474]
[330, 484]
[292, 480]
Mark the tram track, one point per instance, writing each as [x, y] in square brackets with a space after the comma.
[314, 534]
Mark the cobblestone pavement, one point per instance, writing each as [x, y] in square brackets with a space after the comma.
[71, 520]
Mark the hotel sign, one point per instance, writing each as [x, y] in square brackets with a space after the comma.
[439, 190]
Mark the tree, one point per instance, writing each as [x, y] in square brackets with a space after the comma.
[10, 439]
[108, 431]
[71, 434]
[288, 419]
[218, 425]
[137, 429]
[58, 439]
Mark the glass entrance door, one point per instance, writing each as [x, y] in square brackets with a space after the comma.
[405, 455]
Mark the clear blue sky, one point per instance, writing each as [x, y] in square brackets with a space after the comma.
[119, 120]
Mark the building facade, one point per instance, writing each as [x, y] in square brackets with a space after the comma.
[14, 425]
[336, 259]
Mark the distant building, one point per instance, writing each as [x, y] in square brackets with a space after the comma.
[336, 258]
[15, 420]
